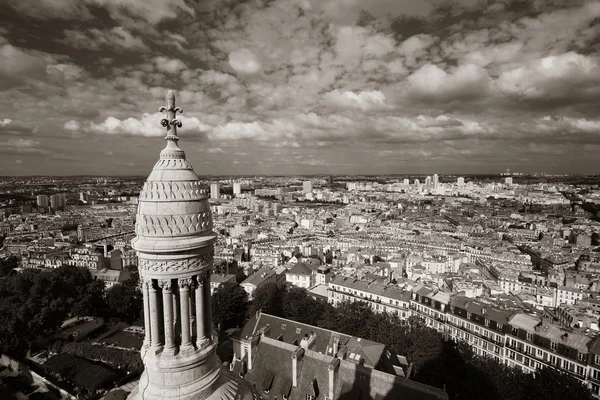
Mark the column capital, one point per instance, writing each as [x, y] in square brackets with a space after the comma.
[146, 282]
[201, 278]
[185, 283]
[165, 285]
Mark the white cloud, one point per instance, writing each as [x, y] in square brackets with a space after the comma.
[244, 61]
[148, 125]
[431, 83]
[366, 100]
[5, 122]
[552, 76]
[72, 125]
[241, 130]
[169, 65]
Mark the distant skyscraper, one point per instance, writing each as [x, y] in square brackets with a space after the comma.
[436, 180]
[460, 181]
[42, 200]
[428, 182]
[81, 236]
[237, 188]
[307, 187]
[508, 181]
[330, 179]
[406, 182]
[58, 201]
[417, 183]
[215, 191]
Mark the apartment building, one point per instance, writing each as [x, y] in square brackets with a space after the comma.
[301, 275]
[509, 335]
[381, 298]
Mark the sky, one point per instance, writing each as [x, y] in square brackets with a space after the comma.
[301, 86]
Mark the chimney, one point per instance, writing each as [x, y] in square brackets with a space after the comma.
[250, 342]
[249, 353]
[336, 345]
[342, 352]
[333, 367]
[308, 340]
[105, 250]
[296, 356]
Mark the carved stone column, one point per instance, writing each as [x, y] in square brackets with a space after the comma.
[147, 312]
[208, 307]
[167, 296]
[200, 326]
[184, 315]
[191, 309]
[154, 317]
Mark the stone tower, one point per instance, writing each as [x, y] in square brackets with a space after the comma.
[174, 242]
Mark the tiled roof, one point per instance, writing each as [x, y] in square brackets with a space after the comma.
[365, 286]
[478, 308]
[351, 381]
[259, 277]
[292, 332]
[300, 269]
[553, 332]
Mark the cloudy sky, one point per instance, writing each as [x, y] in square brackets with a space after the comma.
[301, 86]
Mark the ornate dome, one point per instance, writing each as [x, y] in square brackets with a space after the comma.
[173, 212]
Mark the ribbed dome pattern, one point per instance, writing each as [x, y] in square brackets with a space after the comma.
[172, 203]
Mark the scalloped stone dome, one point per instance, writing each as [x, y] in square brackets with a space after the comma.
[173, 211]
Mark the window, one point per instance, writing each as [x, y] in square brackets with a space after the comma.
[310, 397]
[581, 357]
[500, 327]
[529, 336]
[596, 359]
[468, 315]
[515, 331]
[553, 345]
[487, 322]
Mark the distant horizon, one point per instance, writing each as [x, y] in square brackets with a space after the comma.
[502, 175]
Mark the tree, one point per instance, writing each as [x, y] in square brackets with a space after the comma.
[299, 306]
[229, 306]
[7, 265]
[124, 301]
[34, 304]
[550, 384]
[92, 301]
[269, 299]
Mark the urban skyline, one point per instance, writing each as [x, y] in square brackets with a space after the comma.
[301, 87]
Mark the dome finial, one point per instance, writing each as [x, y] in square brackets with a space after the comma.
[171, 123]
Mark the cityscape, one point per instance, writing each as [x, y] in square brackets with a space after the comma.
[299, 200]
